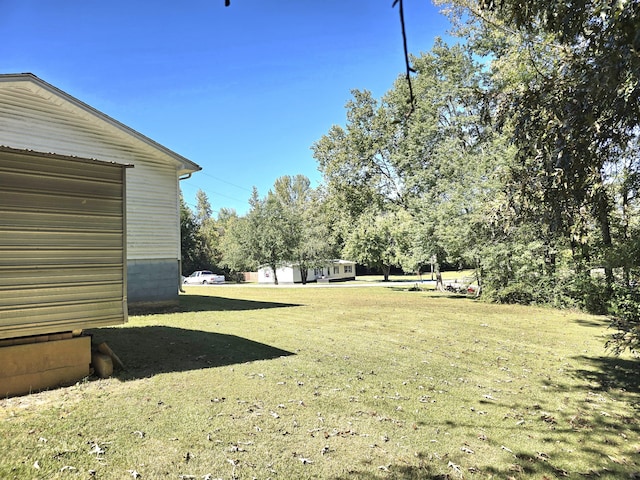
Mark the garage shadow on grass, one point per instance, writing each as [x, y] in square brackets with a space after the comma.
[207, 303]
[200, 303]
[148, 351]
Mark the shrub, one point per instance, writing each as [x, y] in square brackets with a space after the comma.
[626, 320]
[590, 294]
[518, 292]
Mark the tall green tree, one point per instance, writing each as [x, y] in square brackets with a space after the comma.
[235, 247]
[191, 242]
[380, 240]
[435, 158]
[209, 232]
[566, 77]
[287, 226]
[270, 233]
[308, 228]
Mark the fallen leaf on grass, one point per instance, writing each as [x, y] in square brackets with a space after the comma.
[542, 456]
[516, 468]
[67, 468]
[305, 461]
[622, 461]
[134, 473]
[467, 450]
[547, 418]
[454, 467]
[95, 449]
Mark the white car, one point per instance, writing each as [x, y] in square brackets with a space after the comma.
[203, 277]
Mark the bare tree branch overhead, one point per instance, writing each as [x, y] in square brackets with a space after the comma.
[409, 69]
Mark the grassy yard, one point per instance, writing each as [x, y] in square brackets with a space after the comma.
[338, 383]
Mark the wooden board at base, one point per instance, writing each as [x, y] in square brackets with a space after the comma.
[38, 366]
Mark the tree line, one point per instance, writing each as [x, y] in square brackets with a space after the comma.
[514, 151]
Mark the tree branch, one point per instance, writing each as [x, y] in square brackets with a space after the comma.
[409, 69]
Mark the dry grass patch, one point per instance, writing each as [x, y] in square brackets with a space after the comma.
[341, 383]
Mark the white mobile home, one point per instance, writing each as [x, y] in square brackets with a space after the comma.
[334, 271]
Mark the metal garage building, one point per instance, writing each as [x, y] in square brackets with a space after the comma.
[36, 116]
[81, 234]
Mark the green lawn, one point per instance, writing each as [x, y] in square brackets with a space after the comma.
[338, 383]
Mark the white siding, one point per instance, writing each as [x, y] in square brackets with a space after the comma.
[153, 230]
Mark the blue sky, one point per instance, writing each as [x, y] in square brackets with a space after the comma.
[243, 91]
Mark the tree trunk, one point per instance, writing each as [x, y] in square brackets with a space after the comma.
[275, 274]
[386, 269]
[478, 274]
[549, 259]
[626, 268]
[439, 282]
[603, 209]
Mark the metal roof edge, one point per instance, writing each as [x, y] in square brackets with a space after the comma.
[20, 151]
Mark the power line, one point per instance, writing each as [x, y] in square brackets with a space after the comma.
[214, 194]
[226, 181]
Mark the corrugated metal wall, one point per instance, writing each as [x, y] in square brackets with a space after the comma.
[62, 244]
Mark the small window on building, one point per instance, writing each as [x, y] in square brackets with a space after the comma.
[348, 269]
[336, 270]
[317, 272]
